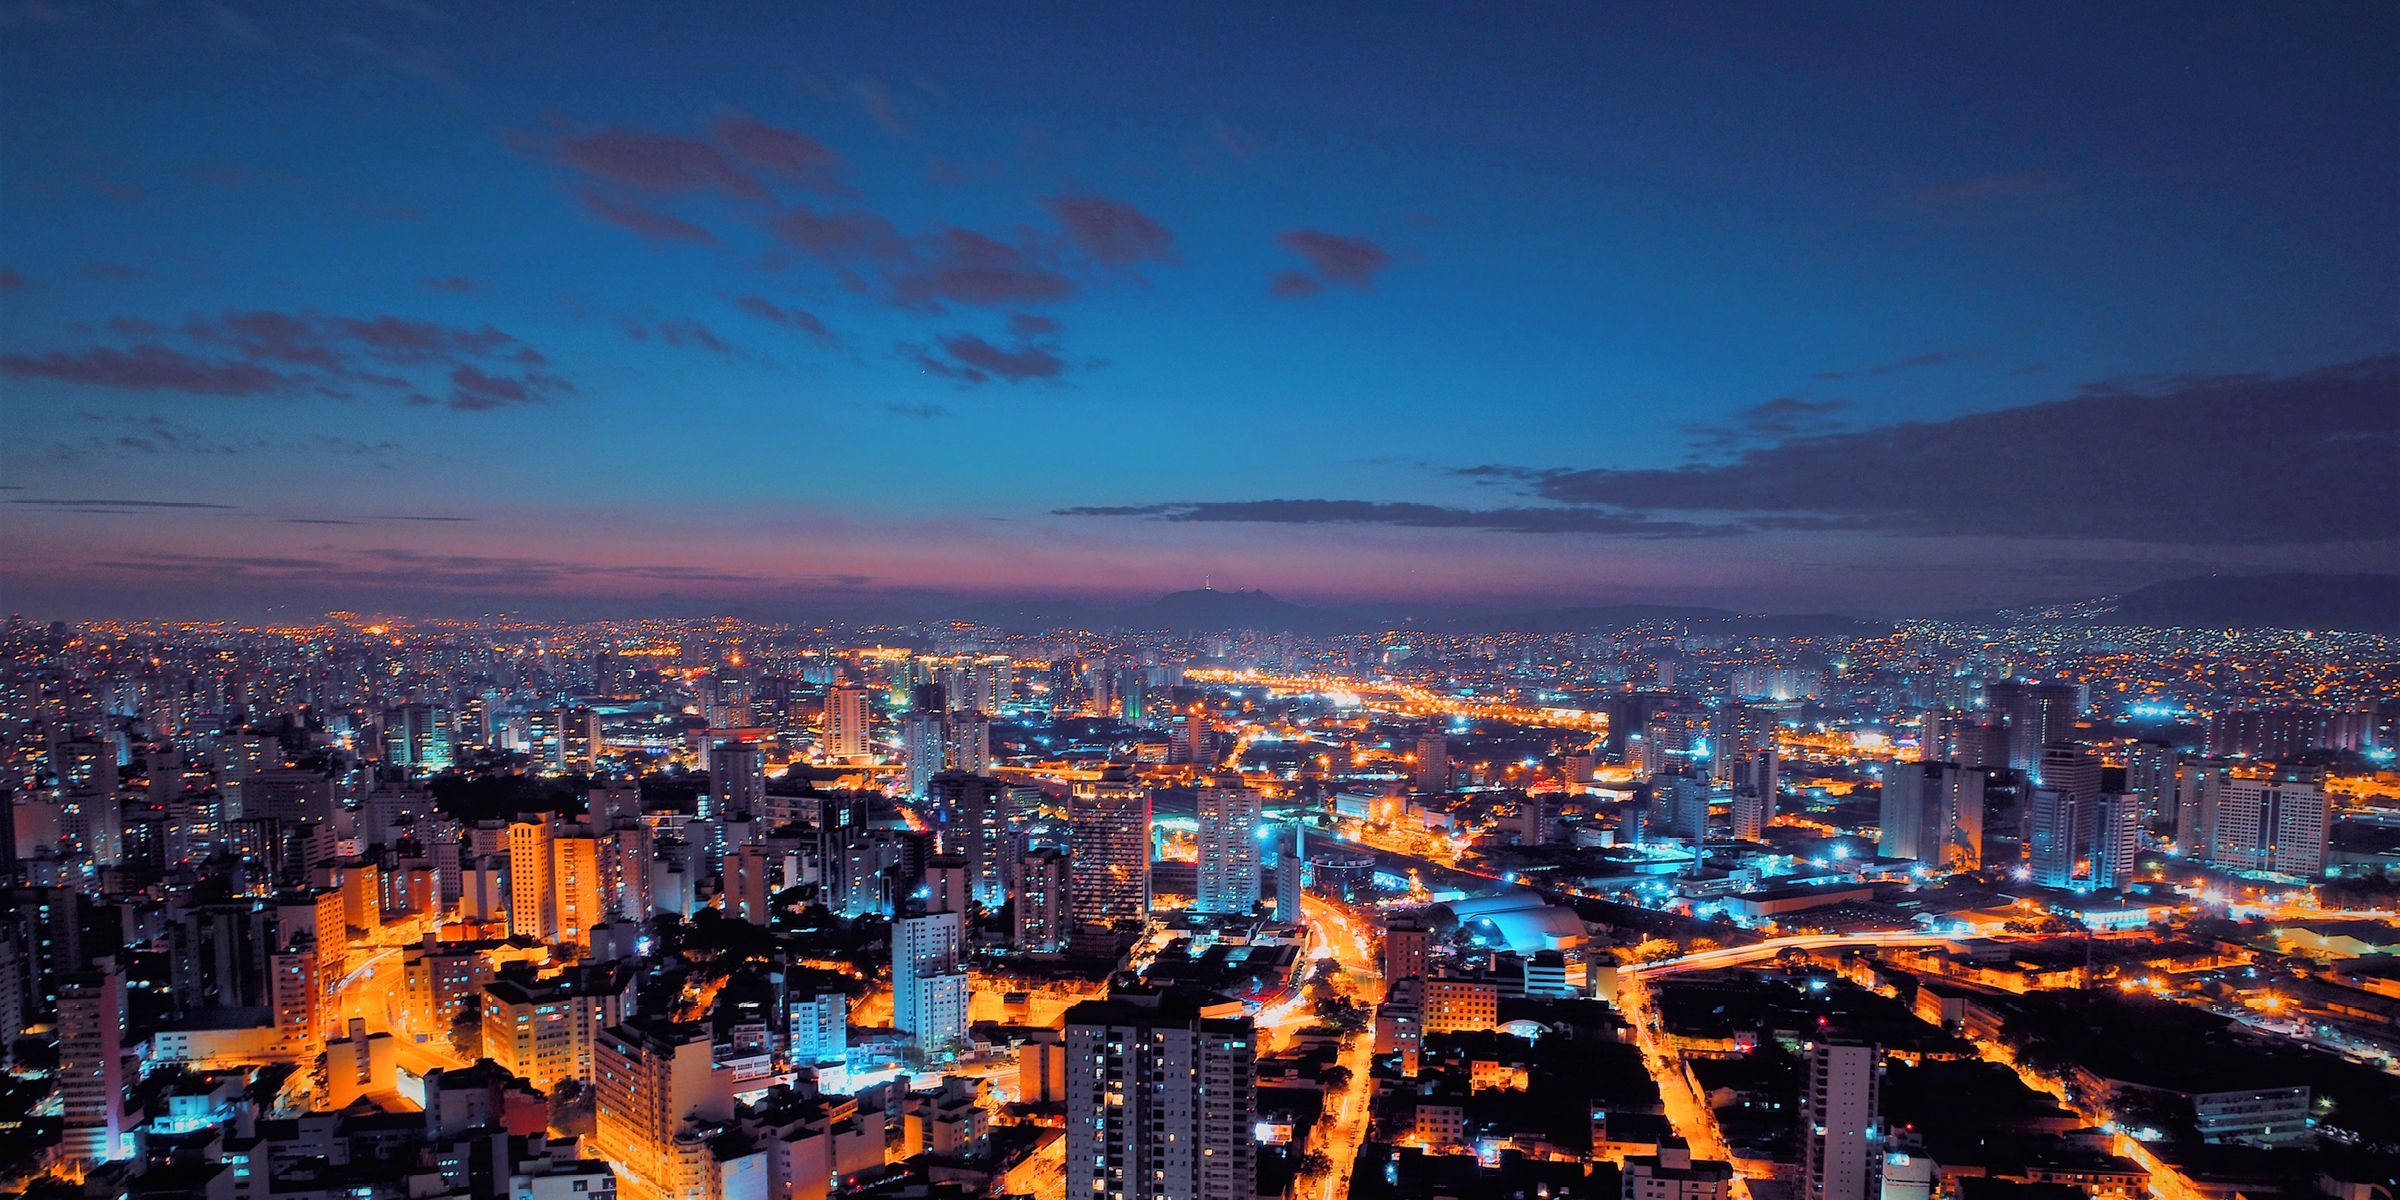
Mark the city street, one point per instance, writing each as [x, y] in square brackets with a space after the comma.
[1347, 1109]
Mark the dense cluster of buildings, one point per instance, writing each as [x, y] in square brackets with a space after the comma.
[379, 908]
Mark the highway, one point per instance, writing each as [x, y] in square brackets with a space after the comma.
[1734, 956]
[371, 991]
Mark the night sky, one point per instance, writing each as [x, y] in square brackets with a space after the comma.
[1786, 307]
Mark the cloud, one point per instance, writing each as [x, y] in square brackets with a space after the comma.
[1914, 362]
[656, 226]
[156, 435]
[663, 163]
[840, 239]
[785, 153]
[953, 266]
[1338, 258]
[392, 567]
[1293, 285]
[308, 353]
[1112, 232]
[933, 364]
[790, 318]
[1030, 325]
[365, 520]
[1769, 420]
[694, 335]
[149, 368]
[921, 412]
[2301, 459]
[447, 283]
[10, 281]
[965, 267]
[114, 505]
[1409, 515]
[473, 390]
[1015, 366]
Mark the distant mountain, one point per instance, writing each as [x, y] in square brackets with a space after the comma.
[2357, 603]
[1579, 618]
[1202, 610]
[1207, 609]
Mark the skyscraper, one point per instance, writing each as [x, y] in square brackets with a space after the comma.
[971, 816]
[2058, 817]
[1933, 812]
[1042, 923]
[967, 741]
[1433, 762]
[737, 780]
[929, 987]
[2038, 715]
[2199, 790]
[2279, 824]
[1291, 861]
[924, 750]
[1161, 1098]
[1681, 802]
[650, 1076]
[846, 711]
[91, 1062]
[1228, 851]
[2088, 841]
[1841, 1155]
[532, 905]
[2116, 838]
[1109, 830]
[418, 736]
[575, 883]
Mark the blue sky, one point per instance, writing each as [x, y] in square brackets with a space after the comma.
[787, 303]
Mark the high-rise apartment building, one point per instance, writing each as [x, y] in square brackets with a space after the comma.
[967, 741]
[971, 815]
[1161, 1099]
[1043, 924]
[2087, 841]
[2199, 790]
[1109, 830]
[924, 750]
[1841, 1116]
[820, 1029]
[1433, 762]
[846, 712]
[575, 879]
[651, 1078]
[737, 780]
[2057, 820]
[418, 736]
[532, 904]
[929, 984]
[91, 1063]
[1933, 812]
[546, 1030]
[1291, 863]
[1229, 851]
[2279, 824]
[2038, 715]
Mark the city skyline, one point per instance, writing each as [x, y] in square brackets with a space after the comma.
[413, 308]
